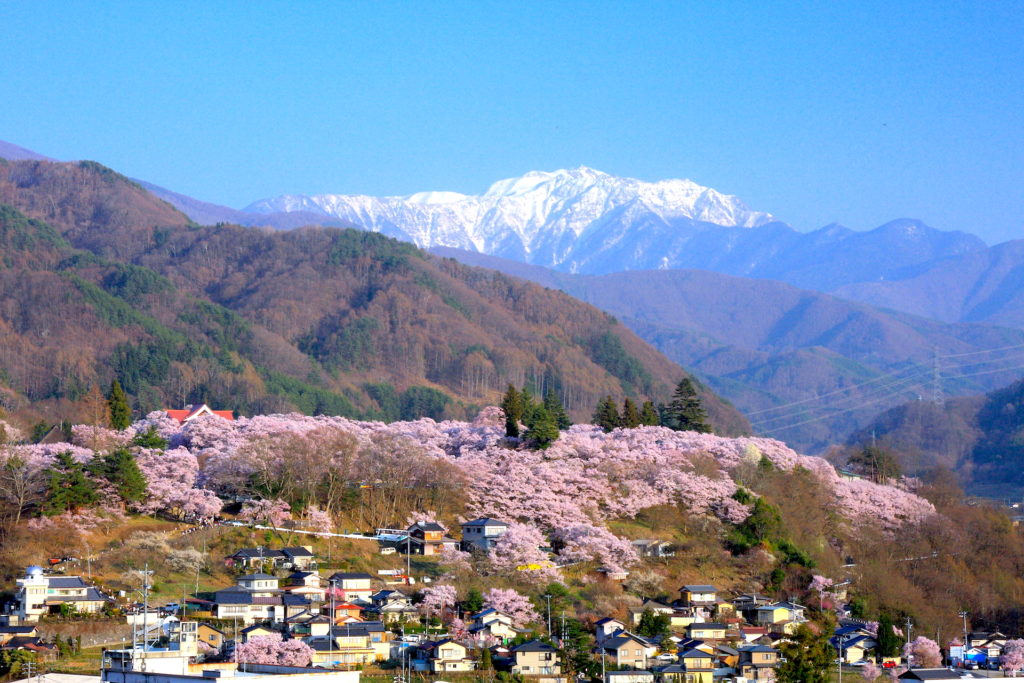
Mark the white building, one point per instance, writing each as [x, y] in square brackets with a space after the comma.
[482, 533]
[39, 594]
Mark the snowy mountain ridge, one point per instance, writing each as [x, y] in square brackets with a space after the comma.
[562, 218]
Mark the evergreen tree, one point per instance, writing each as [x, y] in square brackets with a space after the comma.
[512, 404]
[652, 625]
[474, 601]
[529, 407]
[556, 409]
[685, 412]
[121, 470]
[630, 417]
[120, 411]
[888, 641]
[808, 657]
[150, 439]
[486, 661]
[649, 415]
[606, 415]
[68, 487]
[543, 430]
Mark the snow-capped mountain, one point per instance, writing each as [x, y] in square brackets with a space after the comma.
[568, 219]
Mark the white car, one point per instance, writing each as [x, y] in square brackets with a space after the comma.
[667, 656]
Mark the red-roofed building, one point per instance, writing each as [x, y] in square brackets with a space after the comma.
[191, 412]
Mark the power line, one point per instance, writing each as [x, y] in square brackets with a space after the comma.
[838, 412]
[841, 390]
[871, 392]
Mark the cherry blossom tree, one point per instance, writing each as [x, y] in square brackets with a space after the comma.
[870, 671]
[270, 512]
[437, 599]
[512, 603]
[923, 652]
[518, 551]
[589, 543]
[272, 649]
[1012, 657]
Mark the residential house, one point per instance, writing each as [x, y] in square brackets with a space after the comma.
[308, 624]
[299, 557]
[707, 631]
[197, 410]
[654, 548]
[855, 642]
[491, 622]
[482, 533]
[211, 635]
[654, 606]
[308, 584]
[746, 605]
[698, 666]
[757, 662]
[257, 598]
[535, 658]
[607, 628]
[257, 631]
[352, 586]
[782, 616]
[254, 558]
[990, 644]
[627, 649]
[448, 655]
[343, 611]
[699, 595]
[727, 656]
[391, 606]
[429, 538]
[24, 637]
[39, 594]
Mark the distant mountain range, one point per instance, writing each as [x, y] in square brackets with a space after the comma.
[807, 367]
[586, 221]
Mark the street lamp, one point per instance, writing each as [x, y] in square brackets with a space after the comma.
[963, 650]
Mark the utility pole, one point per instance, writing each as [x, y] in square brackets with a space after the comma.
[963, 652]
[330, 653]
[548, 598]
[145, 612]
[910, 627]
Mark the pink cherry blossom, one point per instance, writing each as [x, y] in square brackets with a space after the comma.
[512, 603]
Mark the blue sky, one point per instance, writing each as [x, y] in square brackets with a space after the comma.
[855, 112]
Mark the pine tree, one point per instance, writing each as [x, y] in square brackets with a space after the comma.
[630, 417]
[121, 470]
[606, 415]
[529, 407]
[543, 429]
[649, 415]
[68, 487]
[556, 409]
[685, 413]
[512, 404]
[120, 411]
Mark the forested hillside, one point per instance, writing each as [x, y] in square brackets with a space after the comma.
[980, 437]
[102, 279]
